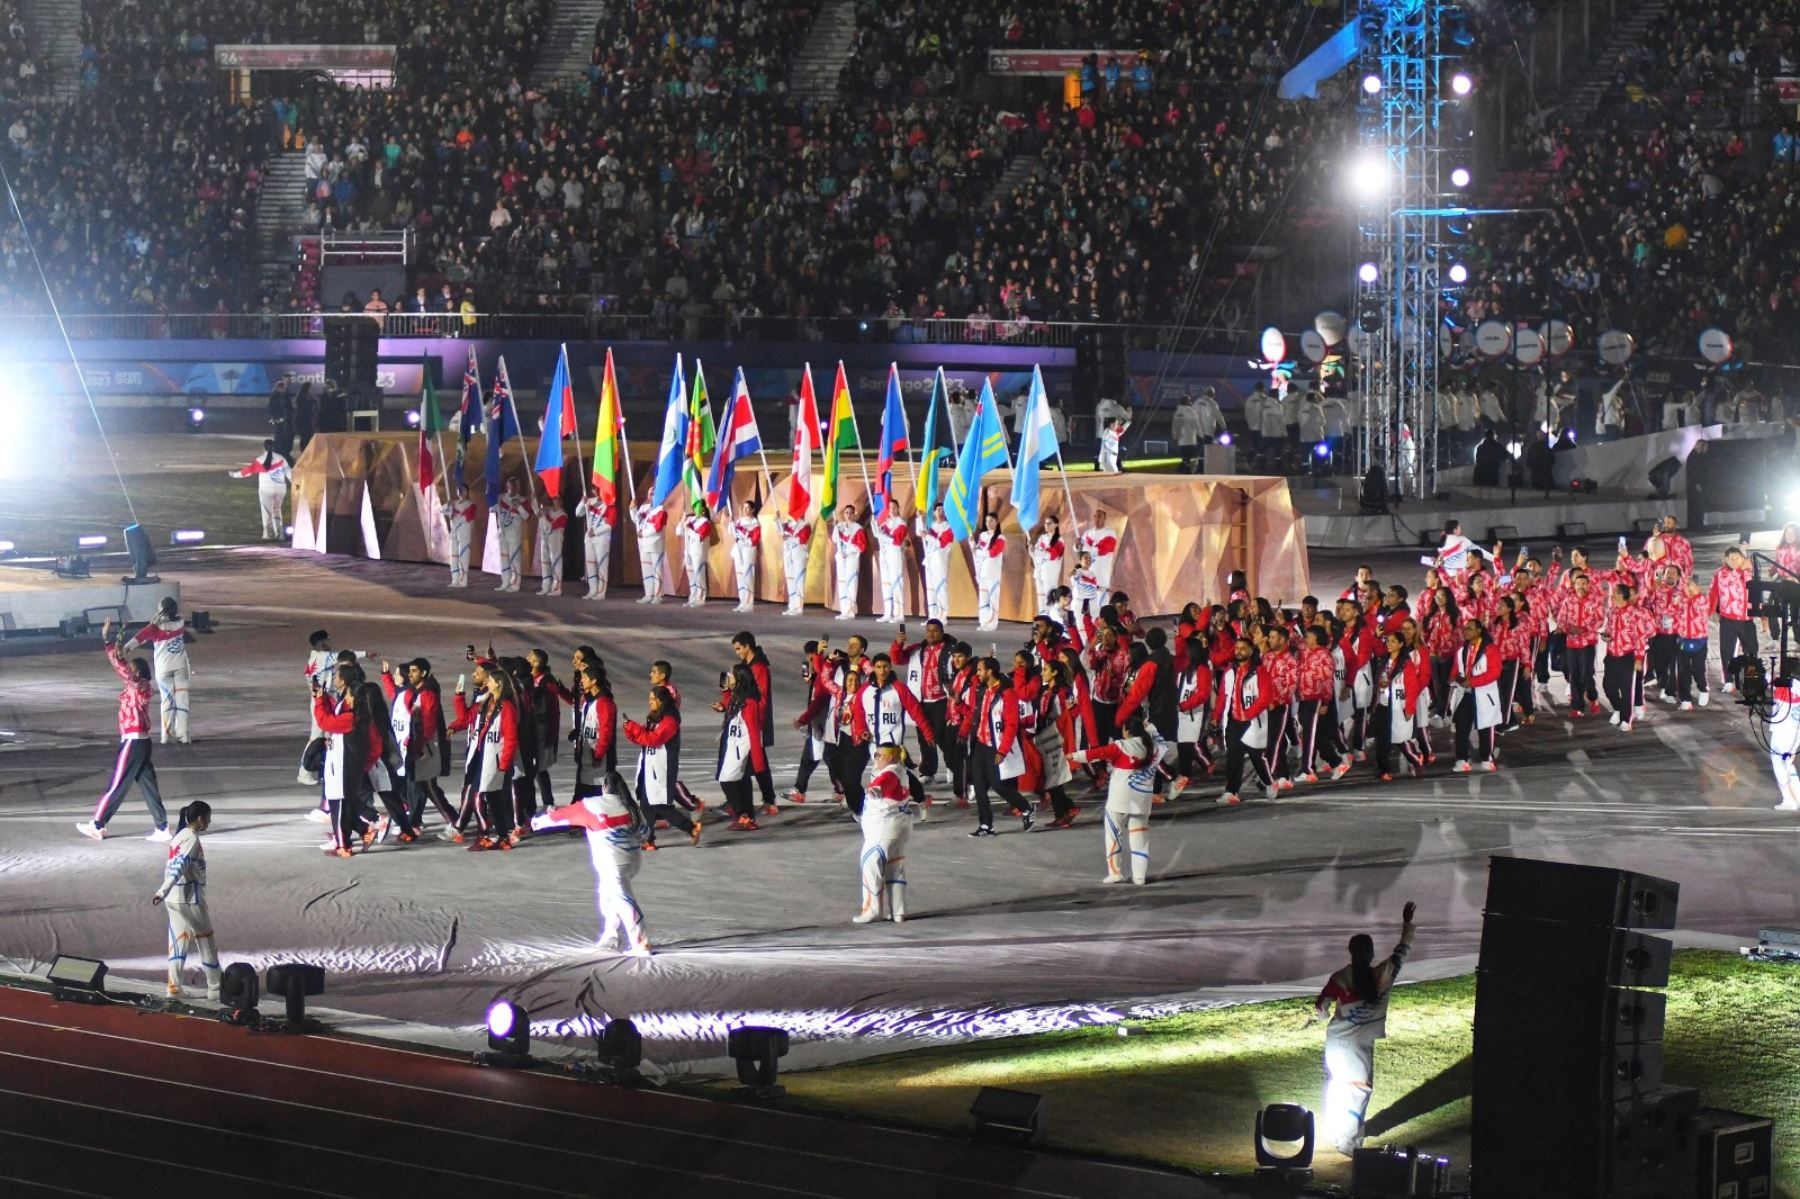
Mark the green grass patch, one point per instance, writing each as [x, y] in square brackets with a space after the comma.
[1183, 1090]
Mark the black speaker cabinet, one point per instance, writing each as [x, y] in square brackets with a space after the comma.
[1594, 895]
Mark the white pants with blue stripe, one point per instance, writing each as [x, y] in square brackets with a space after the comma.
[172, 690]
[621, 920]
[1349, 1081]
[1127, 839]
[887, 827]
[190, 928]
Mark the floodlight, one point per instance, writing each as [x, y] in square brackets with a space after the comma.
[1461, 84]
[1459, 273]
[1459, 177]
[1368, 272]
[1369, 175]
[1371, 84]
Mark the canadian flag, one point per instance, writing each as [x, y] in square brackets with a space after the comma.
[806, 439]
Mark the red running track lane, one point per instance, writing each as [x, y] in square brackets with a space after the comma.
[115, 1102]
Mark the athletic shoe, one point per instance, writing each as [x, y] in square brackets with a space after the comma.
[961, 802]
[770, 809]
[863, 918]
[450, 835]
[982, 830]
[1271, 790]
[1284, 784]
[1576, 713]
[745, 824]
[1361, 756]
[1027, 820]
[319, 816]
[1339, 771]
[1490, 766]
[505, 843]
[307, 779]
[1729, 688]
[1625, 726]
[694, 834]
[1230, 797]
[1387, 778]
[1668, 697]
[1178, 786]
[796, 797]
[369, 834]
[342, 853]
[1061, 822]
[1686, 706]
[1704, 697]
[1308, 777]
[1158, 800]
[383, 827]
[328, 845]
[407, 838]
[649, 847]
[162, 836]
[480, 844]
[1461, 767]
[1593, 708]
[88, 828]
[1112, 878]
[1614, 718]
[1787, 805]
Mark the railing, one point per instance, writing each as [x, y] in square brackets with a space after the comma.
[386, 245]
[878, 330]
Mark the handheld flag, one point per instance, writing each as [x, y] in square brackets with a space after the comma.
[983, 450]
[607, 438]
[806, 440]
[559, 422]
[502, 427]
[431, 423]
[672, 454]
[738, 438]
[931, 449]
[469, 416]
[840, 437]
[894, 442]
[1037, 445]
[699, 435]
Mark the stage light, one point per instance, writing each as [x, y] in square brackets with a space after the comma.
[1284, 1124]
[1322, 450]
[1461, 84]
[412, 418]
[1371, 85]
[88, 541]
[239, 992]
[143, 558]
[187, 536]
[196, 418]
[1369, 175]
[1459, 273]
[862, 326]
[758, 1052]
[1368, 272]
[80, 979]
[508, 1035]
[1459, 177]
[1007, 1115]
[1224, 438]
[294, 981]
[621, 1046]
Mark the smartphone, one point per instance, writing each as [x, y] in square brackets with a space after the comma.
[1621, 544]
[469, 653]
[724, 680]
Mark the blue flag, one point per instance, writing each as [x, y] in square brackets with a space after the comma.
[738, 438]
[671, 457]
[559, 422]
[1037, 445]
[502, 426]
[984, 449]
[893, 443]
[930, 448]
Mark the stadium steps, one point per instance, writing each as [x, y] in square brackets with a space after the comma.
[280, 213]
[1018, 172]
[815, 70]
[568, 43]
[1579, 102]
[55, 29]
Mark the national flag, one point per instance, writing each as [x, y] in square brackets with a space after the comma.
[840, 437]
[671, 456]
[431, 423]
[894, 442]
[469, 416]
[1037, 445]
[699, 435]
[738, 438]
[806, 440]
[940, 394]
[983, 450]
[559, 422]
[502, 427]
[608, 438]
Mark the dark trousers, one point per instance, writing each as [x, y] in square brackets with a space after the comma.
[1735, 637]
[934, 721]
[809, 762]
[765, 783]
[1662, 661]
[1281, 729]
[852, 759]
[1059, 801]
[740, 797]
[1524, 694]
[669, 812]
[1509, 688]
[1106, 721]
[132, 768]
[1690, 668]
[1472, 744]
[1621, 683]
[1237, 753]
[1318, 733]
[1578, 668]
[985, 776]
[395, 803]
[1440, 684]
[1389, 753]
[417, 792]
[1191, 759]
[956, 757]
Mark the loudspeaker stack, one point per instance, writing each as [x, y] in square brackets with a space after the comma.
[1569, 1101]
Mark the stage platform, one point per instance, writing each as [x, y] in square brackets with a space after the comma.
[1334, 521]
[34, 599]
[1180, 535]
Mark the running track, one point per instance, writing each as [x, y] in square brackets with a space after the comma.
[111, 1101]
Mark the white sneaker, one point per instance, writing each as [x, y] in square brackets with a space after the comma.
[1686, 706]
[161, 836]
[1461, 767]
[1625, 726]
[1787, 805]
[1109, 879]
[1490, 766]
[1613, 719]
[1668, 697]
[1729, 688]
[319, 816]
[88, 828]
[307, 779]
[863, 918]
[1704, 697]
[639, 951]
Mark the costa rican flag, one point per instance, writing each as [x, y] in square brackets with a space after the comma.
[739, 438]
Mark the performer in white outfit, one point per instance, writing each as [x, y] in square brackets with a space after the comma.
[796, 550]
[1101, 542]
[887, 820]
[890, 561]
[746, 545]
[168, 636]
[597, 516]
[183, 896]
[1112, 442]
[696, 530]
[1784, 742]
[1355, 1000]
[1047, 552]
[649, 521]
[849, 543]
[509, 516]
[1134, 758]
[272, 472]
[459, 515]
[553, 535]
[615, 827]
[935, 542]
[989, 548]
[1086, 596]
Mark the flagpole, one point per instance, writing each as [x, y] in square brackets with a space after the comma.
[625, 454]
[868, 484]
[520, 426]
[1068, 493]
[578, 466]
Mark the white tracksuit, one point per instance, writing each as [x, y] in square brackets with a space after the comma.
[1111, 442]
[596, 542]
[990, 568]
[849, 541]
[649, 523]
[168, 639]
[887, 820]
[1357, 1022]
[460, 517]
[1046, 567]
[1784, 743]
[614, 840]
[272, 473]
[890, 560]
[796, 551]
[553, 525]
[1128, 794]
[935, 540]
[184, 898]
[746, 543]
[510, 515]
[695, 530]
[1102, 545]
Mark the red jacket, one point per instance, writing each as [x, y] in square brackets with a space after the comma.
[1628, 631]
[752, 714]
[1231, 699]
[1581, 618]
[1108, 672]
[859, 721]
[1009, 720]
[932, 660]
[1490, 666]
[1282, 671]
[1731, 593]
[134, 698]
[341, 722]
[665, 730]
[1442, 634]
[1137, 689]
[509, 726]
[1317, 675]
[1691, 613]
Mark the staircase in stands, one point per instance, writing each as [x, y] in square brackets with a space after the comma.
[280, 215]
[1580, 101]
[55, 30]
[568, 44]
[813, 75]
